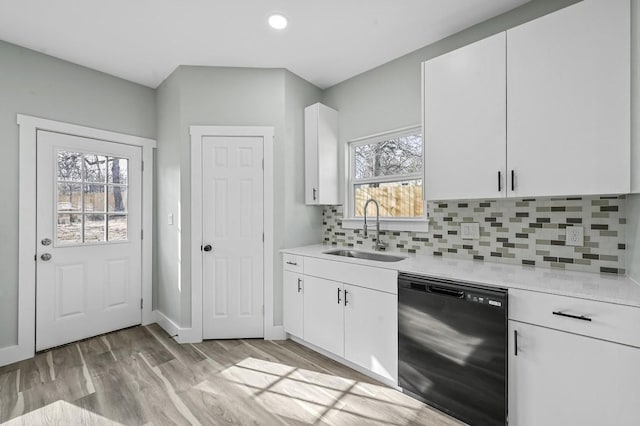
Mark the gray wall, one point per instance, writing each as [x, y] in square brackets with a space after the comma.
[35, 84]
[388, 97]
[227, 97]
[166, 283]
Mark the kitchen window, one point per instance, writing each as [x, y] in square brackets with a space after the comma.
[389, 168]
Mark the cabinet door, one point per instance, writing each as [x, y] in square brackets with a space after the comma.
[324, 314]
[560, 378]
[371, 330]
[464, 121]
[321, 154]
[311, 158]
[293, 303]
[568, 101]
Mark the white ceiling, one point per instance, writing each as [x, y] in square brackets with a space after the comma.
[326, 42]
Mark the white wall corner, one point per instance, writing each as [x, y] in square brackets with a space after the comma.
[180, 334]
[275, 332]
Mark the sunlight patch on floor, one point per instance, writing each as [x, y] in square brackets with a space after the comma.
[310, 396]
[60, 413]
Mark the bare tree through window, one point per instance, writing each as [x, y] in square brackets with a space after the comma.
[391, 172]
[92, 198]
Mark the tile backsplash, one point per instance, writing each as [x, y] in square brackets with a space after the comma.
[519, 231]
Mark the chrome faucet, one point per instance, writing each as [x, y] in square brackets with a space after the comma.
[379, 244]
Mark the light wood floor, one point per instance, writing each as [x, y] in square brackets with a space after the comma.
[141, 376]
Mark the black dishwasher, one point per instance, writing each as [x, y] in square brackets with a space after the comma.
[452, 342]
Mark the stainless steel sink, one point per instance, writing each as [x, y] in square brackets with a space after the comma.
[365, 255]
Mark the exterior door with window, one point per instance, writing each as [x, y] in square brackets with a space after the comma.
[232, 227]
[88, 273]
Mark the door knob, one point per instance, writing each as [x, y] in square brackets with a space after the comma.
[208, 247]
[46, 257]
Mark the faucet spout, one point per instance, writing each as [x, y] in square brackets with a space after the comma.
[379, 244]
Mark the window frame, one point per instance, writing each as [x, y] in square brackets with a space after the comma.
[350, 221]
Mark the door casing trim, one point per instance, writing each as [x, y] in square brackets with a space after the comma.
[267, 135]
[29, 126]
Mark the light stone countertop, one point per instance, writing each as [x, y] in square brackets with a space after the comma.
[601, 287]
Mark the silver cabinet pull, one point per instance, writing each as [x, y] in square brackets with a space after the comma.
[299, 285]
[292, 263]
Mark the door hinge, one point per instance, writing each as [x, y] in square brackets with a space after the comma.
[142, 234]
[142, 166]
[141, 303]
[263, 237]
[35, 257]
[263, 164]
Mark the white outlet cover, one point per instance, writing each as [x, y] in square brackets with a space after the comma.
[470, 230]
[575, 236]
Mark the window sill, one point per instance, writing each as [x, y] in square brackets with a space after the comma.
[407, 225]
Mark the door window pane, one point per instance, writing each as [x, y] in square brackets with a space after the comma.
[95, 168]
[69, 197]
[117, 198]
[69, 166]
[69, 228]
[118, 170]
[94, 228]
[117, 227]
[94, 198]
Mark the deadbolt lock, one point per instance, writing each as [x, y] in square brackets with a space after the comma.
[46, 242]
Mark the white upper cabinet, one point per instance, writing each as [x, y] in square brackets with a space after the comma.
[321, 155]
[568, 101]
[465, 120]
[548, 108]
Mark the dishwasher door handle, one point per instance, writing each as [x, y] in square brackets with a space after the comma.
[446, 291]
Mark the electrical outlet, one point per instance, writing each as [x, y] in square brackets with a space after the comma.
[575, 236]
[470, 230]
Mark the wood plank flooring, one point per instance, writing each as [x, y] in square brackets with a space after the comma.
[140, 376]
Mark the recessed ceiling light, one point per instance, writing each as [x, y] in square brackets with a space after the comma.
[277, 21]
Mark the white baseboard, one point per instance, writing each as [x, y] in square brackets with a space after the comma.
[181, 334]
[274, 332]
[385, 380]
[15, 353]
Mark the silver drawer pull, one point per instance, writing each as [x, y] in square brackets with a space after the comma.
[579, 317]
[292, 263]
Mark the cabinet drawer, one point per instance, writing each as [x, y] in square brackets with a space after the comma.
[364, 276]
[292, 262]
[617, 323]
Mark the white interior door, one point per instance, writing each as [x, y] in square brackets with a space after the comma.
[232, 216]
[89, 201]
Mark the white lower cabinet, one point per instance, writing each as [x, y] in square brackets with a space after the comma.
[356, 320]
[293, 303]
[324, 314]
[371, 330]
[560, 378]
